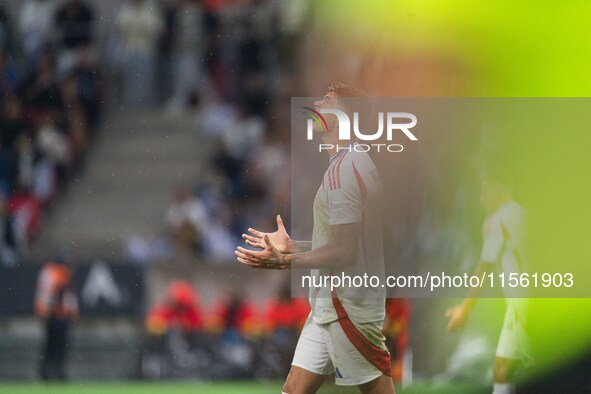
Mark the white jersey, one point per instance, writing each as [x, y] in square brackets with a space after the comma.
[504, 243]
[504, 238]
[351, 192]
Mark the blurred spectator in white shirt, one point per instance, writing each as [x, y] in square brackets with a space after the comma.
[36, 25]
[188, 40]
[244, 135]
[140, 24]
[53, 142]
[186, 219]
[218, 240]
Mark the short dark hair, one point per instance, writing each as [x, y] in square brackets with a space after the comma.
[358, 100]
[344, 90]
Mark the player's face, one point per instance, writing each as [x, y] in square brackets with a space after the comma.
[328, 101]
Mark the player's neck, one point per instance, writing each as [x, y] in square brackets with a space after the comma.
[332, 139]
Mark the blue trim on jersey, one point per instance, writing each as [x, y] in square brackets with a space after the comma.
[340, 152]
[338, 373]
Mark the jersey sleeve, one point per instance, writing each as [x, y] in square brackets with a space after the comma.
[345, 200]
[493, 240]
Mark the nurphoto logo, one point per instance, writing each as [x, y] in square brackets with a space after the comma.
[390, 122]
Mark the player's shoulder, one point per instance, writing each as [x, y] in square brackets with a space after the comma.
[359, 161]
[511, 211]
[513, 214]
[348, 165]
[513, 207]
[506, 213]
[360, 170]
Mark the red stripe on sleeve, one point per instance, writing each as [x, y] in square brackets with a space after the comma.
[332, 171]
[338, 170]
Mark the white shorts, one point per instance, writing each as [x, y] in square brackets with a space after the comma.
[325, 349]
[513, 342]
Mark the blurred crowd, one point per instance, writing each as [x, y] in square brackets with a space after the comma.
[234, 338]
[50, 106]
[231, 339]
[230, 62]
[246, 185]
[244, 91]
[223, 50]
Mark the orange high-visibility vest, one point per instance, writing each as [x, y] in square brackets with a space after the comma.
[55, 297]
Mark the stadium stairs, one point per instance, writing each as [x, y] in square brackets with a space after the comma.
[130, 174]
[135, 163]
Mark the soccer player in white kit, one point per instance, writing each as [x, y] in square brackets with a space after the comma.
[343, 334]
[504, 233]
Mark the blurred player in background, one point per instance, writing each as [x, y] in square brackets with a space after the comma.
[173, 328]
[503, 244]
[285, 318]
[179, 310]
[343, 335]
[56, 304]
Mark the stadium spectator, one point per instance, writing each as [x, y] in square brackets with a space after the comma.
[230, 33]
[9, 77]
[218, 239]
[8, 255]
[285, 313]
[13, 123]
[36, 172]
[186, 219]
[75, 118]
[89, 84]
[140, 24]
[174, 333]
[292, 16]
[7, 172]
[7, 44]
[236, 188]
[230, 166]
[53, 142]
[237, 329]
[271, 163]
[36, 26]
[179, 310]
[74, 28]
[40, 89]
[25, 210]
[235, 319]
[188, 34]
[45, 125]
[244, 135]
[56, 304]
[255, 92]
[284, 319]
[74, 24]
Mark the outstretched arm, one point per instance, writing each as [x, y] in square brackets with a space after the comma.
[280, 239]
[458, 315]
[341, 251]
[491, 248]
